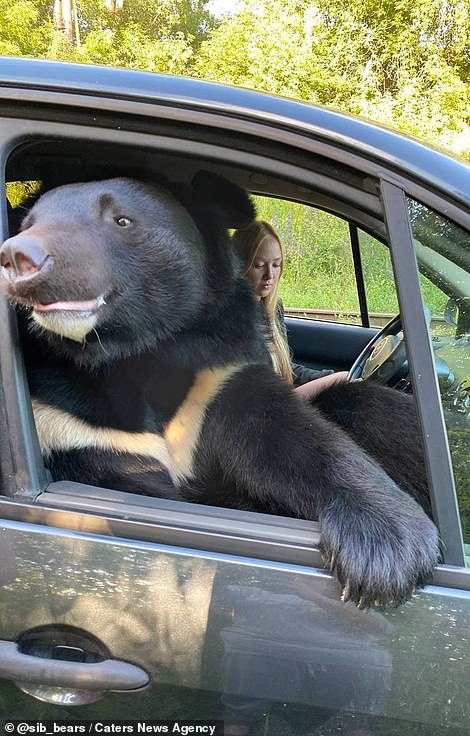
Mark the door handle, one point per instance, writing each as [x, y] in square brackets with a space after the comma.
[110, 674]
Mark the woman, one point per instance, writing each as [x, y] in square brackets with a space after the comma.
[260, 250]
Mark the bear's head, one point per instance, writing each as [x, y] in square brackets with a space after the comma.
[111, 268]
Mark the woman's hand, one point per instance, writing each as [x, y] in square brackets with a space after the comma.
[312, 388]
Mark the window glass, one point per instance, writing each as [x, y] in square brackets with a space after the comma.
[379, 281]
[381, 293]
[443, 254]
[318, 279]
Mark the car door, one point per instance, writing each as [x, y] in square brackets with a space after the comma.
[119, 608]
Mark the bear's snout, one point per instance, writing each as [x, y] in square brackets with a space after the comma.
[22, 258]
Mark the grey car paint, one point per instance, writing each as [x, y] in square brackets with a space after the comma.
[278, 633]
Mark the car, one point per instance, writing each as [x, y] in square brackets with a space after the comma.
[117, 606]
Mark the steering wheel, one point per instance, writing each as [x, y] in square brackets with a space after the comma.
[383, 359]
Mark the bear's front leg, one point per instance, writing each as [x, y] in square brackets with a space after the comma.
[375, 538]
[282, 456]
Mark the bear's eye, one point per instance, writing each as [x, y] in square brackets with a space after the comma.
[123, 221]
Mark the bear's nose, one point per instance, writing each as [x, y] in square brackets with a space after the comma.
[22, 258]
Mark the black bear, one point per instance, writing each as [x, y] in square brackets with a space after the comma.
[149, 373]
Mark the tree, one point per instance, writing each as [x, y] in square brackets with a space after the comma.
[402, 62]
[157, 35]
[26, 28]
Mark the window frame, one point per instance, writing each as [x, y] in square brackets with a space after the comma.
[423, 374]
[359, 274]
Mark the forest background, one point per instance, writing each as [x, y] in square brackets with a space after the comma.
[405, 63]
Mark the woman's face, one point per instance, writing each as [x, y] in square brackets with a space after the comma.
[265, 270]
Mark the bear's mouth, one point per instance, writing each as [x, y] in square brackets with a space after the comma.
[72, 319]
[88, 307]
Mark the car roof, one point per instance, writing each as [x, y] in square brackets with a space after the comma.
[406, 154]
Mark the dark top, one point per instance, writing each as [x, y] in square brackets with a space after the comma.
[302, 374]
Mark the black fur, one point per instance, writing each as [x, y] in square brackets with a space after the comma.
[172, 307]
[385, 423]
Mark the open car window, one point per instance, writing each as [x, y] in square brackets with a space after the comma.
[320, 275]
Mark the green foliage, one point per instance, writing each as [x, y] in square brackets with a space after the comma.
[24, 29]
[131, 47]
[153, 35]
[399, 62]
[19, 191]
[404, 63]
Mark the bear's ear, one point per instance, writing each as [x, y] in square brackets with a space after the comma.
[235, 204]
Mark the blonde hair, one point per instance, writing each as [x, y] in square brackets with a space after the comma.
[247, 243]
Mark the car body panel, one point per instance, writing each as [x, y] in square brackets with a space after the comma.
[331, 345]
[211, 623]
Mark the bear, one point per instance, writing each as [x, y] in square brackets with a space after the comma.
[384, 422]
[149, 373]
